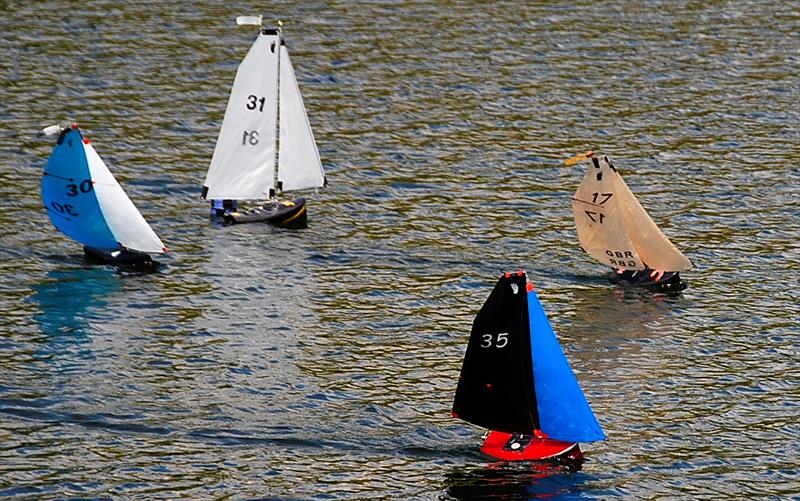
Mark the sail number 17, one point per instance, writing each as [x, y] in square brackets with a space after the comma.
[489, 340]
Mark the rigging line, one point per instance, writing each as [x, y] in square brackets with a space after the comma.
[276, 177]
[45, 173]
[587, 203]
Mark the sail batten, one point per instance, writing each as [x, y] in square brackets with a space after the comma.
[615, 229]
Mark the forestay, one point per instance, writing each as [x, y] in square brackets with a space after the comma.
[615, 229]
[243, 164]
[86, 203]
[299, 166]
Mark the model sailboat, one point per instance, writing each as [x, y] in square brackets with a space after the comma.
[615, 229]
[87, 204]
[264, 99]
[516, 381]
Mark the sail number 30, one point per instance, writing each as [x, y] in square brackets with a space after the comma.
[84, 187]
[64, 209]
[489, 340]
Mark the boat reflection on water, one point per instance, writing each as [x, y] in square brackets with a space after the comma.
[514, 480]
[71, 300]
[612, 317]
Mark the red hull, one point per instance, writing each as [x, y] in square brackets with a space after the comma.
[505, 446]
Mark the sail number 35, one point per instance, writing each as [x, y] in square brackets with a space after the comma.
[489, 340]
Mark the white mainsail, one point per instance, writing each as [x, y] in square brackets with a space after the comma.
[243, 164]
[299, 165]
[615, 229]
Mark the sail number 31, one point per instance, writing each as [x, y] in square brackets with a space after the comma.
[254, 102]
[249, 137]
[489, 340]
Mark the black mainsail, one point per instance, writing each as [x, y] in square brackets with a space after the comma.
[496, 389]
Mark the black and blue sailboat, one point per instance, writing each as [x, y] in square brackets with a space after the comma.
[516, 382]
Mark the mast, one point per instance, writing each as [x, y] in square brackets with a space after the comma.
[278, 186]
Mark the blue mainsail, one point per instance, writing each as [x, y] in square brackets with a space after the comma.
[564, 413]
[69, 195]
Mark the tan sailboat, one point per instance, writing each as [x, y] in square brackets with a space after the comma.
[614, 228]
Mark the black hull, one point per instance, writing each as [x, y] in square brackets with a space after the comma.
[126, 260]
[670, 282]
[286, 214]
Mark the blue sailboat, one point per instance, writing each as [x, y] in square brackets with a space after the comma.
[86, 203]
[516, 382]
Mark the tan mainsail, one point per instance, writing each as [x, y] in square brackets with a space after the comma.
[615, 229]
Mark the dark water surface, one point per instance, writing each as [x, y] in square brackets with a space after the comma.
[321, 364]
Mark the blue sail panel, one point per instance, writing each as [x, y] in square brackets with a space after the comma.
[69, 196]
[564, 413]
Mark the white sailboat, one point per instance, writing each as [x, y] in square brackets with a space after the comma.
[614, 228]
[265, 99]
[86, 203]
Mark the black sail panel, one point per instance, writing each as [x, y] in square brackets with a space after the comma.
[495, 389]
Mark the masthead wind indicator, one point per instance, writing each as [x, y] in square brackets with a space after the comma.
[250, 21]
[579, 158]
[52, 130]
